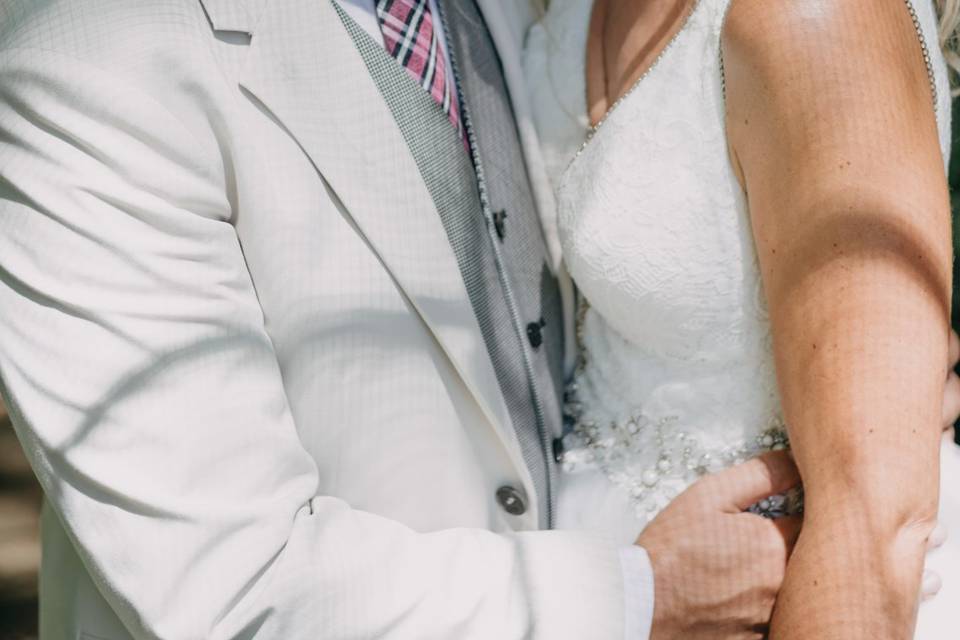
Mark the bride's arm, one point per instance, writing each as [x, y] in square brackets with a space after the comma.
[833, 132]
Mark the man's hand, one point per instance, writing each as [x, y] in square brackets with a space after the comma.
[717, 568]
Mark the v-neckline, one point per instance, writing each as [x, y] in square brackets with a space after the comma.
[595, 128]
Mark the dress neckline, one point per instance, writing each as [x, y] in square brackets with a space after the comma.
[594, 129]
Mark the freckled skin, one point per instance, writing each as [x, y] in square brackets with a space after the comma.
[860, 220]
[832, 133]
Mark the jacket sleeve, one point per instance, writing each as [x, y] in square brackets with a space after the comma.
[147, 395]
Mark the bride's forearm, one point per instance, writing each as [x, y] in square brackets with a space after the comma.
[855, 573]
[845, 582]
[861, 338]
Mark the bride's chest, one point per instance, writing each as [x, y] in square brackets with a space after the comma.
[654, 224]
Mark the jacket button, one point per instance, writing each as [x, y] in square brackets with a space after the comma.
[535, 333]
[511, 500]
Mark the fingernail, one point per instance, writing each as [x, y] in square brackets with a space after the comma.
[937, 537]
[931, 584]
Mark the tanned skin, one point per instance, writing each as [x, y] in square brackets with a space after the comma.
[833, 135]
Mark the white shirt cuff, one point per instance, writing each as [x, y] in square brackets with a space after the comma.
[637, 591]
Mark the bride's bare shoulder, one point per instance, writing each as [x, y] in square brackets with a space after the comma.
[809, 40]
[805, 74]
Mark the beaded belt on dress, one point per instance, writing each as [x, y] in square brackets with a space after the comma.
[679, 457]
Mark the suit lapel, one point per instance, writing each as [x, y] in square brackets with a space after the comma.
[305, 70]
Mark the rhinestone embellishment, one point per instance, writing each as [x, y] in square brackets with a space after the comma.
[653, 458]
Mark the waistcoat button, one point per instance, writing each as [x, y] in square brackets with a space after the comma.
[500, 223]
[535, 333]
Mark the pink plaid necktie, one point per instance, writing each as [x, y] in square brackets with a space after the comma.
[409, 36]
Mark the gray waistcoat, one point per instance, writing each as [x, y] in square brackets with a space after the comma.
[488, 211]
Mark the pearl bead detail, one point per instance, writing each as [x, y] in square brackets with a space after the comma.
[650, 478]
[652, 456]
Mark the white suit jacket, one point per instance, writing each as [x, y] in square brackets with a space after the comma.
[237, 349]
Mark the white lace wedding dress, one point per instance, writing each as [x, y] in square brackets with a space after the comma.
[676, 377]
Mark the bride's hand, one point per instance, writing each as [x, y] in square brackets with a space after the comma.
[717, 568]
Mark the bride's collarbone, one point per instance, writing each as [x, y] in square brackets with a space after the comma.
[624, 41]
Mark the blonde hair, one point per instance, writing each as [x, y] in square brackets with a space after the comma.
[949, 11]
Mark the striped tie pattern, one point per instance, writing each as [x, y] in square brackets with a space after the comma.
[409, 36]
